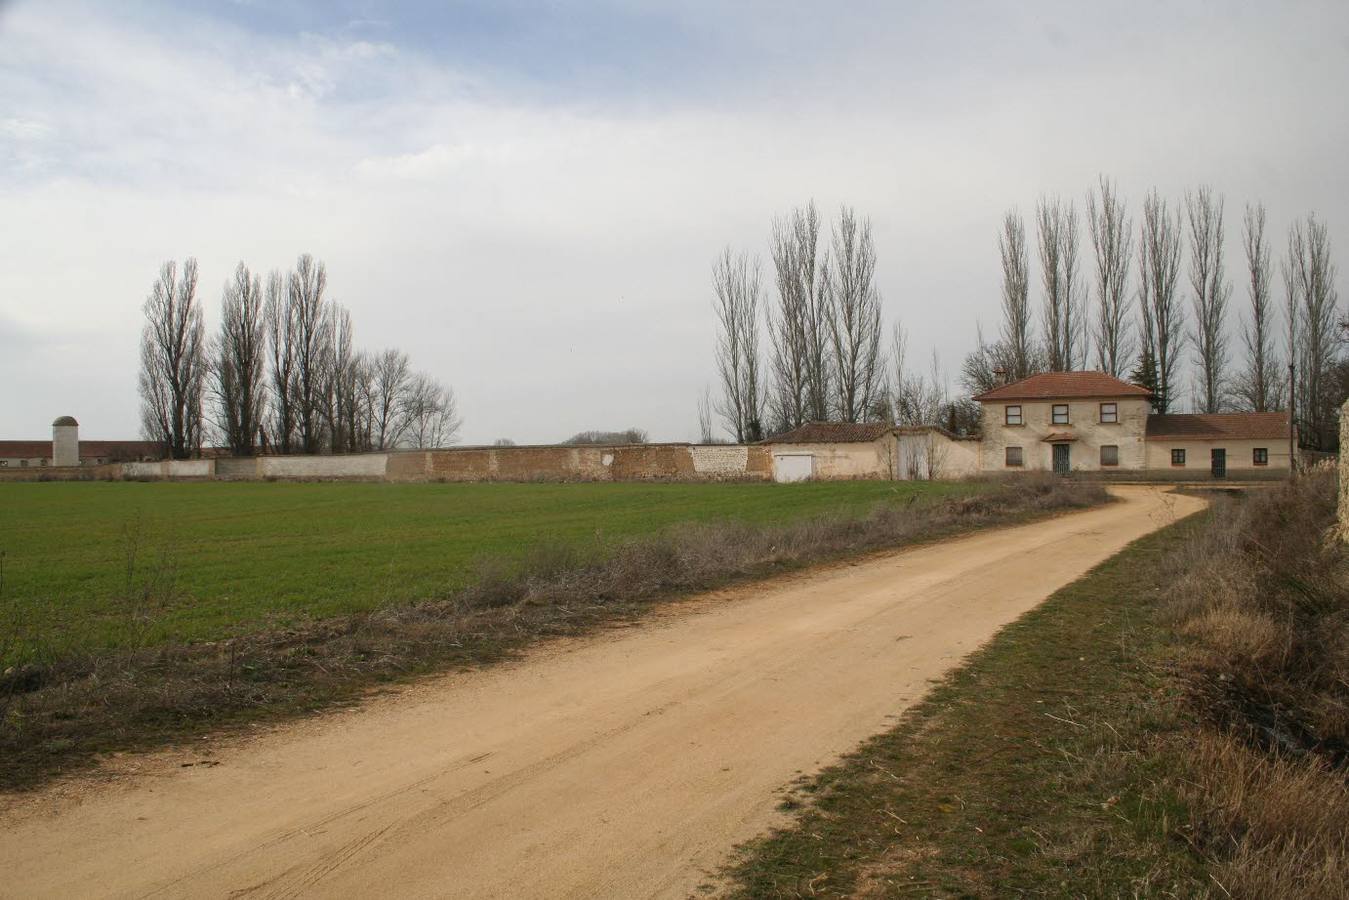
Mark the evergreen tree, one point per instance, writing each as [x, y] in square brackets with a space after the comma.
[1145, 375]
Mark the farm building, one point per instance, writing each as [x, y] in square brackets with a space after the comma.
[66, 449]
[1093, 422]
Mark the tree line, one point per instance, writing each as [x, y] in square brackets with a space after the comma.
[1143, 308]
[1150, 301]
[824, 358]
[281, 375]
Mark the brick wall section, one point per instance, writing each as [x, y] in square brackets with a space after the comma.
[409, 465]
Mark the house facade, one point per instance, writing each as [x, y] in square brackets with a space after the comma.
[1094, 422]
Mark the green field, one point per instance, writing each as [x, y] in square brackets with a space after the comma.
[241, 555]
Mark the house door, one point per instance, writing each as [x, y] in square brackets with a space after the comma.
[1219, 458]
[1061, 460]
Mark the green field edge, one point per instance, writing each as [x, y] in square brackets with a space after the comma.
[487, 646]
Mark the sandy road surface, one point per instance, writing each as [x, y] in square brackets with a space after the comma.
[628, 764]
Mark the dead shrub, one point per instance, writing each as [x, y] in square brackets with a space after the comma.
[1264, 595]
[1262, 598]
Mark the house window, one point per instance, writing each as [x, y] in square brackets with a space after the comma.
[3, 463]
[1060, 414]
[1109, 455]
[23, 463]
[1177, 457]
[1260, 456]
[1013, 415]
[1014, 457]
[1109, 413]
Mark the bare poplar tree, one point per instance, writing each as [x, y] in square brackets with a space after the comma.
[1164, 317]
[390, 378]
[1204, 212]
[1016, 311]
[173, 362]
[1260, 386]
[799, 326]
[706, 433]
[855, 317]
[737, 285]
[239, 359]
[281, 377]
[433, 413]
[1057, 240]
[312, 334]
[1112, 239]
[790, 324]
[1074, 324]
[340, 375]
[1309, 279]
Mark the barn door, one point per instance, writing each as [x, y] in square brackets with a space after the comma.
[793, 467]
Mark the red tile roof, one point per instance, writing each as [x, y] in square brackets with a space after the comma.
[1064, 385]
[117, 450]
[834, 433]
[1272, 426]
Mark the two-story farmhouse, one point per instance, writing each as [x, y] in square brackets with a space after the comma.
[1091, 421]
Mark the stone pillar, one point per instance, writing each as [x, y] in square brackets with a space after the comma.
[65, 442]
[1344, 471]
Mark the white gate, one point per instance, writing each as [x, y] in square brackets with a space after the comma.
[793, 467]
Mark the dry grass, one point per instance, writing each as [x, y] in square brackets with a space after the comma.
[65, 711]
[1262, 601]
[1277, 826]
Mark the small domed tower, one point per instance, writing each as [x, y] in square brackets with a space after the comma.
[66, 442]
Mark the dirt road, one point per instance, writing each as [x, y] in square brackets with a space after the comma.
[628, 764]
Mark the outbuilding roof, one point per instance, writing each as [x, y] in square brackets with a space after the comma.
[834, 433]
[1270, 426]
[1064, 385]
[88, 449]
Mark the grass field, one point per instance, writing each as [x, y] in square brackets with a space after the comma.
[84, 563]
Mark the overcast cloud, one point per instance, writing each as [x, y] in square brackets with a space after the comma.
[527, 196]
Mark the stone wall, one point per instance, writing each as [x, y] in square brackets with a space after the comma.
[636, 462]
[929, 453]
[355, 466]
[869, 459]
[169, 468]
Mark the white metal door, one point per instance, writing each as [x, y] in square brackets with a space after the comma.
[793, 467]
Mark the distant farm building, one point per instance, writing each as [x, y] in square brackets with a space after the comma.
[1065, 422]
[65, 449]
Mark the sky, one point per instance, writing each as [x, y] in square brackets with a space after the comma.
[527, 195]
